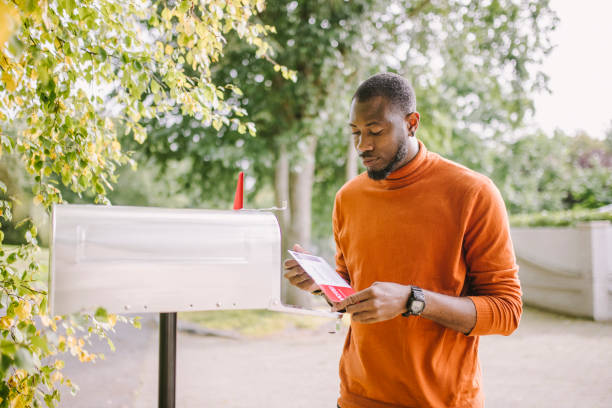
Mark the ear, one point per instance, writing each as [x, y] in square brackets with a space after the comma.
[412, 122]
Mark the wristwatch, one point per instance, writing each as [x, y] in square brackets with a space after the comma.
[415, 303]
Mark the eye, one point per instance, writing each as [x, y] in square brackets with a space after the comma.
[376, 133]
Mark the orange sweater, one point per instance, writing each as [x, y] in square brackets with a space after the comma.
[440, 226]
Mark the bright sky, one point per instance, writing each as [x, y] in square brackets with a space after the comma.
[580, 70]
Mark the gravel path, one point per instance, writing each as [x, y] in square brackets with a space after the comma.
[551, 361]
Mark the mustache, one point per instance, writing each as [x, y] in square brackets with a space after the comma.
[365, 155]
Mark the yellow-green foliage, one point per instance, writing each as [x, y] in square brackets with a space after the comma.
[73, 76]
[559, 218]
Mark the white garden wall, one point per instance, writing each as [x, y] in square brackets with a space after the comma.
[567, 269]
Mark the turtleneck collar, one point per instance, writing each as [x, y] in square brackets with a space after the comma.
[409, 172]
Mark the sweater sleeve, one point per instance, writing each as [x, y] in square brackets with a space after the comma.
[493, 283]
[340, 264]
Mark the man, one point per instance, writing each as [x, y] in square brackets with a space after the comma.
[425, 243]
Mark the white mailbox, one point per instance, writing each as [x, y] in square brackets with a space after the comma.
[140, 259]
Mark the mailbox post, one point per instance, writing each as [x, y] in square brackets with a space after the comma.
[167, 360]
[160, 260]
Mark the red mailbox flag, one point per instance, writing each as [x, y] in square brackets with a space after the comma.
[238, 197]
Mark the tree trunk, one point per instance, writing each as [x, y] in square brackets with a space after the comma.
[301, 182]
[281, 192]
[351, 160]
[281, 189]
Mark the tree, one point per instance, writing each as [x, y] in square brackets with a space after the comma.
[468, 61]
[286, 113]
[541, 173]
[75, 75]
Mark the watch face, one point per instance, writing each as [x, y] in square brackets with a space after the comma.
[417, 306]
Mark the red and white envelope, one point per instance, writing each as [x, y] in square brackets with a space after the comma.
[332, 284]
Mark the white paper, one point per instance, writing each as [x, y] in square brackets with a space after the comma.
[319, 270]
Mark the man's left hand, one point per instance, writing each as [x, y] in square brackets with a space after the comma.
[381, 301]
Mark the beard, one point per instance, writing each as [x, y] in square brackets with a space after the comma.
[400, 155]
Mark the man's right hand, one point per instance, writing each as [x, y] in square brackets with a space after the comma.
[296, 274]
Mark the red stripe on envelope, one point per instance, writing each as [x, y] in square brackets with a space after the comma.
[336, 293]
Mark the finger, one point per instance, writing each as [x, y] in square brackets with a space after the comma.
[364, 306]
[302, 278]
[295, 268]
[297, 280]
[298, 248]
[334, 307]
[305, 285]
[295, 283]
[294, 280]
[355, 298]
[291, 273]
[290, 263]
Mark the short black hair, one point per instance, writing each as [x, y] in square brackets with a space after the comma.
[394, 87]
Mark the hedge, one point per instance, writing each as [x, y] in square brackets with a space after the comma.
[559, 218]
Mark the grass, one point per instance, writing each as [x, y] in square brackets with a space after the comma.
[253, 323]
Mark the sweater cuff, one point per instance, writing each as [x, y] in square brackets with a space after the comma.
[484, 316]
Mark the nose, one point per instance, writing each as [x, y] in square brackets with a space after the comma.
[364, 144]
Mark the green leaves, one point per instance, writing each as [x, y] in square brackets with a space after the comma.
[24, 360]
[559, 218]
[11, 258]
[101, 315]
[74, 78]
[111, 345]
[8, 348]
[541, 173]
